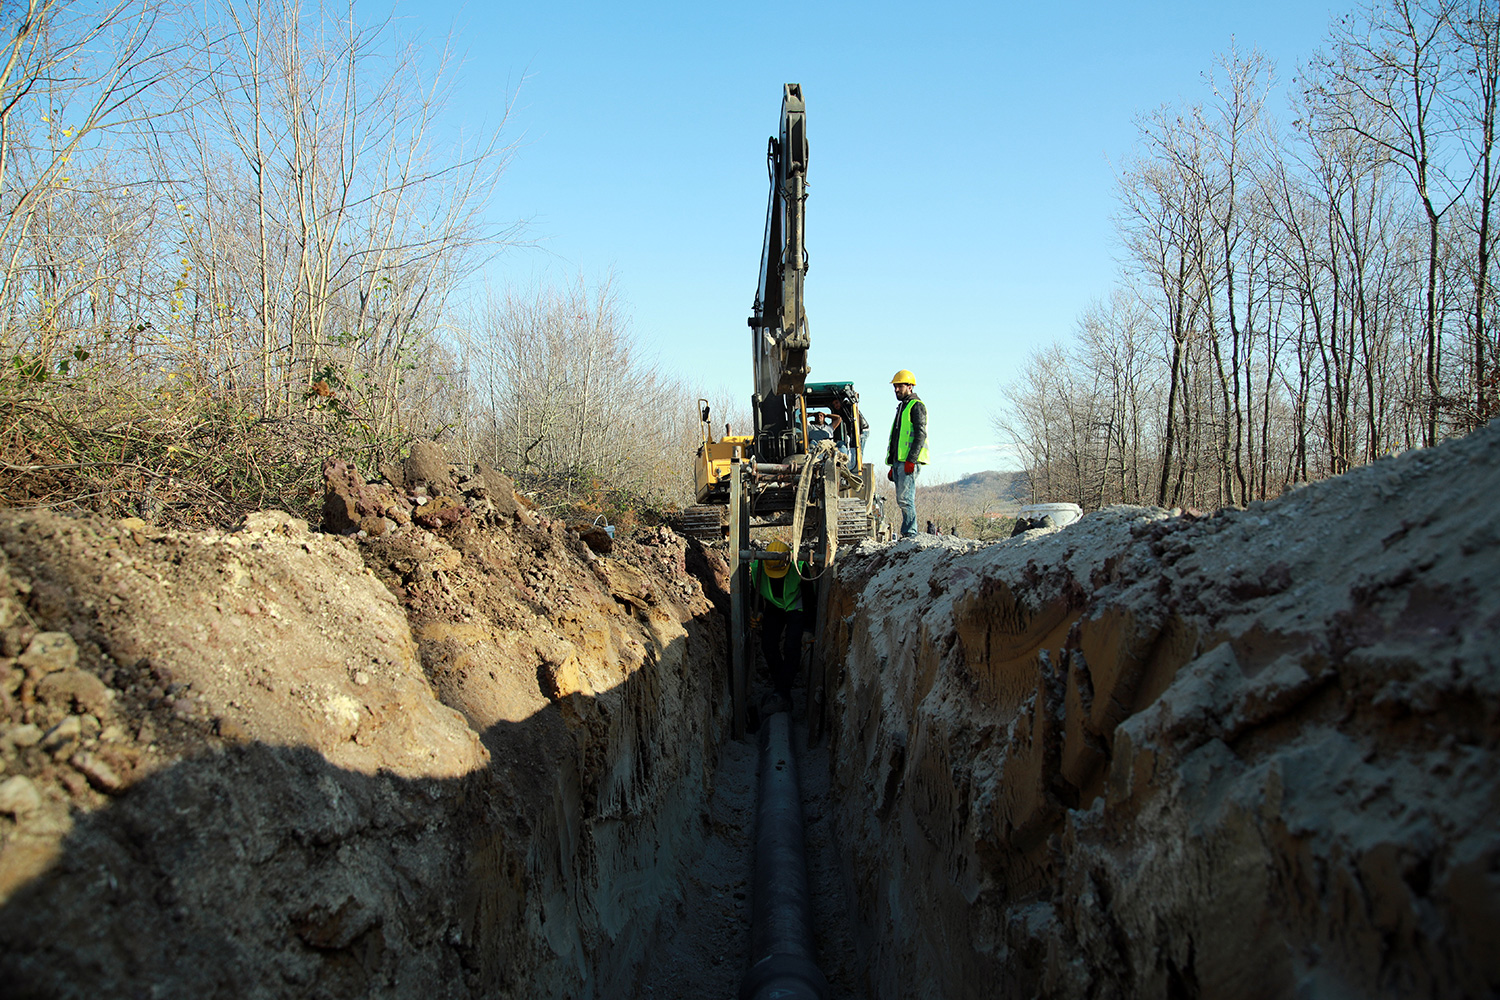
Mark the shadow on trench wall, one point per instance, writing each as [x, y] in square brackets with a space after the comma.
[255, 870]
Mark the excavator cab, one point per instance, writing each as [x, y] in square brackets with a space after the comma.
[840, 400]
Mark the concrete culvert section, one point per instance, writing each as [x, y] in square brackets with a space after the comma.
[1245, 755]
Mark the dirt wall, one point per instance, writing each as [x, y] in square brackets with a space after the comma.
[1166, 755]
[467, 759]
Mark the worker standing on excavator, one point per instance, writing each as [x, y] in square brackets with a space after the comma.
[907, 452]
[779, 586]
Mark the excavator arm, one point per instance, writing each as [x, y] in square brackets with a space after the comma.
[778, 324]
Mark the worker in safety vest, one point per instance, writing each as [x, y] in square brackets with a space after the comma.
[907, 452]
[778, 586]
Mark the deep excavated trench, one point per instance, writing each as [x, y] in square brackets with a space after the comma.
[467, 755]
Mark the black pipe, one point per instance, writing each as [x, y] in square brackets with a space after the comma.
[783, 963]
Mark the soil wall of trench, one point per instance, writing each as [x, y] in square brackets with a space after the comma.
[1157, 754]
[457, 754]
[453, 748]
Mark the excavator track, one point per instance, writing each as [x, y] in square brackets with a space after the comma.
[854, 520]
[703, 521]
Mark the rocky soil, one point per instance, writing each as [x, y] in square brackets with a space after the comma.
[1157, 754]
[446, 748]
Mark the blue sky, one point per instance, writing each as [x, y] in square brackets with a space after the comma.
[961, 169]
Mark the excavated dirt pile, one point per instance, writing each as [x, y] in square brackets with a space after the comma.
[1255, 754]
[454, 752]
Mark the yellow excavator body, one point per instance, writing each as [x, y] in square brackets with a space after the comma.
[711, 472]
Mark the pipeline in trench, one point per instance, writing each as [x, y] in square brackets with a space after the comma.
[769, 895]
[783, 961]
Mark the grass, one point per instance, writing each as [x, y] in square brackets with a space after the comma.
[173, 456]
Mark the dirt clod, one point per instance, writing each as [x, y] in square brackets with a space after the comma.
[428, 464]
[18, 796]
[48, 652]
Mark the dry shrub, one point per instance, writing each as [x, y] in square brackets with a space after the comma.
[180, 454]
[587, 498]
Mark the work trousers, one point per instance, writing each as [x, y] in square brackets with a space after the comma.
[781, 642]
[906, 498]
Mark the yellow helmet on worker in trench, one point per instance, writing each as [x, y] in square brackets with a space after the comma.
[777, 570]
[903, 377]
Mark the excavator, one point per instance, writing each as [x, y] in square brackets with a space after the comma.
[799, 475]
[790, 475]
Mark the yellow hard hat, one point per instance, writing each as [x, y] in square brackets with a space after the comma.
[777, 570]
[903, 377]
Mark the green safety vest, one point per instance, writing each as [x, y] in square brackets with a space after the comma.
[903, 441]
[791, 588]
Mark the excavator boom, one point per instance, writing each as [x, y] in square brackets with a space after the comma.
[778, 324]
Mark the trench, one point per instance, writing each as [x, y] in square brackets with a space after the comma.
[1149, 754]
[1164, 754]
[704, 943]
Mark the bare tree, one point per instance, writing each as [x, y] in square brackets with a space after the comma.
[1164, 226]
[571, 397]
[1476, 28]
[70, 72]
[1390, 82]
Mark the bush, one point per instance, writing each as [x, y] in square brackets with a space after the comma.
[178, 455]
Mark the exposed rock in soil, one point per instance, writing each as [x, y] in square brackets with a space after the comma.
[270, 762]
[350, 505]
[428, 464]
[1246, 755]
[498, 488]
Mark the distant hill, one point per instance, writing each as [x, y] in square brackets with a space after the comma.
[979, 490]
[975, 505]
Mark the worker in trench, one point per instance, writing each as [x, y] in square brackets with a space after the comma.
[907, 452]
[778, 593]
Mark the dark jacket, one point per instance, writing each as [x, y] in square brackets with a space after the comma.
[918, 431]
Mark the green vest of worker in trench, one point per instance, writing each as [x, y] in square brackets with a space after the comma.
[781, 624]
[784, 593]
